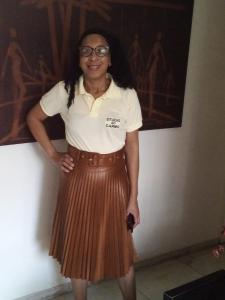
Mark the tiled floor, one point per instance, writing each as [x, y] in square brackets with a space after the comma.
[153, 281]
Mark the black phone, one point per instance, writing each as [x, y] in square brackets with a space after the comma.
[130, 222]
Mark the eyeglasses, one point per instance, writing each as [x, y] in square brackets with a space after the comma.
[100, 51]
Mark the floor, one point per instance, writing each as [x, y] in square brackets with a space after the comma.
[153, 281]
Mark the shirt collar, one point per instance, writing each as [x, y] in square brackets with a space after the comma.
[112, 92]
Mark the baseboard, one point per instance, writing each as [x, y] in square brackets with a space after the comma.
[49, 293]
[66, 288]
[176, 254]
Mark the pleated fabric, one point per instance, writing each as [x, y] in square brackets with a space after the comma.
[90, 238]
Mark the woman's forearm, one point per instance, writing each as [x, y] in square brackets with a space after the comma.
[35, 123]
[132, 158]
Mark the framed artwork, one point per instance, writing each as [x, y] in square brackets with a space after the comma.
[35, 37]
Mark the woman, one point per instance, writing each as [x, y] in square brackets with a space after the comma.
[101, 111]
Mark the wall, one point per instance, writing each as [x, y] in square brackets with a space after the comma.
[182, 175]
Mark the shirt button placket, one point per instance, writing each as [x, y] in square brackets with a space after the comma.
[95, 107]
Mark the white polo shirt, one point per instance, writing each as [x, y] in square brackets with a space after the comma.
[95, 125]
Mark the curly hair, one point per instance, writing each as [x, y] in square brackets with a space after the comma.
[119, 70]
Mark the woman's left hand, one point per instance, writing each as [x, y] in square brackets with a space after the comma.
[134, 210]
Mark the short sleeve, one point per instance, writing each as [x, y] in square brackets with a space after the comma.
[134, 117]
[55, 100]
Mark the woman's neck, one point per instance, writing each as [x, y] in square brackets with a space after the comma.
[96, 86]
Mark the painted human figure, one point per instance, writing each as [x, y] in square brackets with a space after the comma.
[16, 58]
[156, 61]
[169, 85]
[44, 73]
[135, 56]
[136, 61]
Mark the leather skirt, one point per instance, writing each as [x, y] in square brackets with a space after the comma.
[90, 238]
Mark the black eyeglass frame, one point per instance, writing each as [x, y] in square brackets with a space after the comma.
[94, 50]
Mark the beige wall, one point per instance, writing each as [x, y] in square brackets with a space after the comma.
[182, 175]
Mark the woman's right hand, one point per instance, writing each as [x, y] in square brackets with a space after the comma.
[64, 161]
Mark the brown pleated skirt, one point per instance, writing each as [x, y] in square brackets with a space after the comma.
[90, 238]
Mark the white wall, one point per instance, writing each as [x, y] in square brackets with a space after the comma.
[181, 193]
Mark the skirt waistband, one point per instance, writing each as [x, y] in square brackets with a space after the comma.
[96, 159]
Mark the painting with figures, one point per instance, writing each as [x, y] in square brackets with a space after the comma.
[35, 47]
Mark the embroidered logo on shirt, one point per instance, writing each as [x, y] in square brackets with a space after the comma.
[112, 122]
